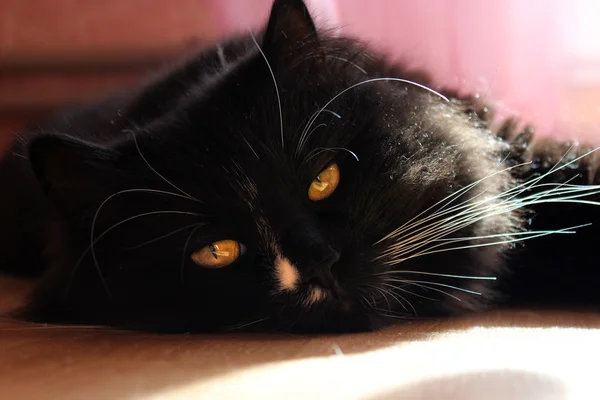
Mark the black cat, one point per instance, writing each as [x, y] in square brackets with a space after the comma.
[293, 181]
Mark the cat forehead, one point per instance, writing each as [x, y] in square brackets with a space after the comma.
[249, 90]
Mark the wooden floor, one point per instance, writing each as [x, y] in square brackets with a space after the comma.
[522, 355]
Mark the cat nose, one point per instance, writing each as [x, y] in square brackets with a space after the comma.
[329, 257]
[321, 274]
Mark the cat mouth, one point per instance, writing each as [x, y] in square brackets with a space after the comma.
[333, 294]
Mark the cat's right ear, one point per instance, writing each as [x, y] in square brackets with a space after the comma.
[290, 33]
[72, 171]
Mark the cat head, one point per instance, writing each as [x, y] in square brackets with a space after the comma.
[288, 180]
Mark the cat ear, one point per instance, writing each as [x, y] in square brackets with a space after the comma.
[290, 33]
[72, 171]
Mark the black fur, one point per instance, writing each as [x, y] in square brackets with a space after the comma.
[208, 131]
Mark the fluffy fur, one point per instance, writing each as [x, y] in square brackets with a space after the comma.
[108, 201]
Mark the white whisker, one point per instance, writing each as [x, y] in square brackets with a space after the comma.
[407, 291]
[349, 62]
[369, 294]
[318, 112]
[554, 169]
[378, 289]
[308, 135]
[366, 301]
[442, 211]
[338, 116]
[396, 295]
[322, 150]
[430, 250]
[92, 229]
[445, 285]
[485, 278]
[371, 81]
[305, 134]
[386, 314]
[251, 148]
[479, 210]
[424, 287]
[162, 237]
[91, 249]
[156, 172]
[244, 325]
[274, 83]
[471, 238]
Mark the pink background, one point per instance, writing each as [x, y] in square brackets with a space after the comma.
[537, 59]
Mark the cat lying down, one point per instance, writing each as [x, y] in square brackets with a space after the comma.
[289, 180]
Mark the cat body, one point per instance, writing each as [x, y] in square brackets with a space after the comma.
[291, 180]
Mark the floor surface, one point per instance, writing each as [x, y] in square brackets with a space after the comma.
[498, 355]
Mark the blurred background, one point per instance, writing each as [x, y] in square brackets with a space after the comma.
[536, 59]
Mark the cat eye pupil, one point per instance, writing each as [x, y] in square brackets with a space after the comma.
[213, 250]
[219, 254]
[325, 183]
[321, 186]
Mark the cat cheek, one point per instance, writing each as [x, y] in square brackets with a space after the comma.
[286, 274]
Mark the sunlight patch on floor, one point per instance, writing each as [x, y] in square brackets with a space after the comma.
[516, 363]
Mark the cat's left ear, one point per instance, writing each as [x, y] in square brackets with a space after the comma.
[290, 34]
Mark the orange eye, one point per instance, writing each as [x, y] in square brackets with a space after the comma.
[324, 184]
[219, 254]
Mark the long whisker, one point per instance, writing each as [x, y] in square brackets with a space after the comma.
[90, 248]
[470, 205]
[371, 81]
[349, 62]
[433, 232]
[274, 83]
[366, 301]
[484, 278]
[391, 314]
[137, 146]
[163, 236]
[309, 134]
[425, 287]
[320, 150]
[529, 184]
[442, 285]
[450, 198]
[244, 325]
[93, 227]
[396, 295]
[422, 240]
[251, 148]
[370, 295]
[508, 241]
[393, 288]
[442, 229]
[496, 235]
[383, 295]
[407, 291]
[305, 133]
